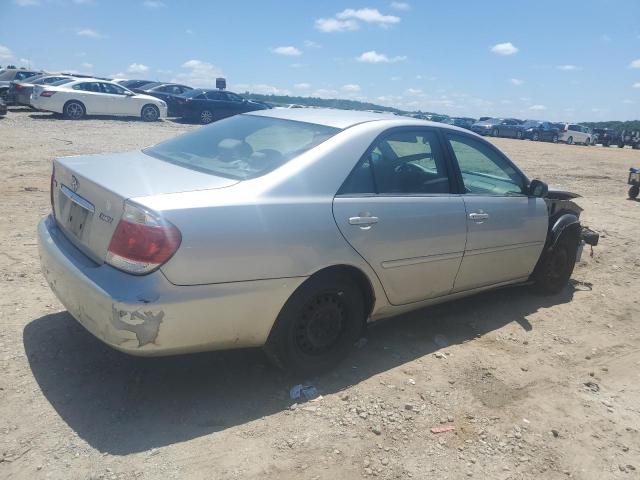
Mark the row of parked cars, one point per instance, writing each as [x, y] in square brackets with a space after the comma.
[539, 130]
[76, 96]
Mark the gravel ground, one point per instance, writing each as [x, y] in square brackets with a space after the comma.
[543, 387]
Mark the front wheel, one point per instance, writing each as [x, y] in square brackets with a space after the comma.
[318, 325]
[570, 140]
[633, 192]
[556, 264]
[535, 137]
[206, 117]
[150, 113]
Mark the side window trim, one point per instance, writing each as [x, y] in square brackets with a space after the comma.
[458, 173]
[442, 143]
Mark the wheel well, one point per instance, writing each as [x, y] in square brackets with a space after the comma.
[360, 279]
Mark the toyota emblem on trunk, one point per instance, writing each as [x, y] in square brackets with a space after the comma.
[74, 183]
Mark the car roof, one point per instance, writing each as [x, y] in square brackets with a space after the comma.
[332, 117]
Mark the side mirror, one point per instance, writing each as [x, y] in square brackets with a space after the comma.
[129, 94]
[537, 188]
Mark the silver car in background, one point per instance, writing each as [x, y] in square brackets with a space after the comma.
[290, 228]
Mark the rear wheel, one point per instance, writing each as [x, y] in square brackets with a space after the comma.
[74, 110]
[556, 264]
[206, 117]
[555, 139]
[318, 325]
[495, 133]
[633, 191]
[570, 140]
[150, 113]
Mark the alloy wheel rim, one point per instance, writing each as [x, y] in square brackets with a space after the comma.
[150, 113]
[206, 116]
[74, 110]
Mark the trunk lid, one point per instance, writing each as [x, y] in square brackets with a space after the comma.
[89, 192]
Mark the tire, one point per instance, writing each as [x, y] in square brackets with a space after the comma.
[206, 117]
[555, 139]
[636, 146]
[633, 191]
[495, 132]
[587, 142]
[318, 325]
[621, 145]
[570, 140]
[535, 137]
[150, 113]
[519, 135]
[556, 264]
[74, 110]
[606, 144]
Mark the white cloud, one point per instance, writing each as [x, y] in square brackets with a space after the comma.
[312, 44]
[627, 101]
[188, 31]
[84, 2]
[329, 25]
[635, 64]
[369, 15]
[516, 81]
[288, 50]
[5, 53]
[404, 6]
[27, 3]
[198, 74]
[88, 32]
[605, 38]
[506, 48]
[636, 85]
[153, 4]
[414, 92]
[302, 86]
[538, 108]
[137, 68]
[87, 65]
[350, 88]
[568, 68]
[260, 88]
[374, 57]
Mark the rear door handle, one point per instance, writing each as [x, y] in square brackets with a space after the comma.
[478, 217]
[364, 221]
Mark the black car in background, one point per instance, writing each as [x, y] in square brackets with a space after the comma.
[206, 106]
[605, 136]
[169, 92]
[20, 91]
[499, 127]
[538, 130]
[131, 84]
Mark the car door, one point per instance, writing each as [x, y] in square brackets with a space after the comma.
[506, 128]
[506, 228]
[90, 94]
[216, 102]
[117, 102]
[397, 210]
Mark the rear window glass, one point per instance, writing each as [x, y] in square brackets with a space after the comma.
[62, 82]
[243, 146]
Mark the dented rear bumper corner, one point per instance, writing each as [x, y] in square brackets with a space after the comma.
[148, 315]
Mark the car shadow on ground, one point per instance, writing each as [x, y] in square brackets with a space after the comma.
[48, 116]
[122, 404]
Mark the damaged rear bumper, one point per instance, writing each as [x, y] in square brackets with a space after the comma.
[148, 315]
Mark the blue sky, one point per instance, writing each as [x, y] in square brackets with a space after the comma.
[548, 59]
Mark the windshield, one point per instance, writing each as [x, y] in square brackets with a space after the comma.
[243, 146]
[193, 93]
[531, 124]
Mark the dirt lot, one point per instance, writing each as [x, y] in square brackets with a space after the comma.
[537, 387]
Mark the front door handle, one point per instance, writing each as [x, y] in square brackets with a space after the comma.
[363, 221]
[478, 217]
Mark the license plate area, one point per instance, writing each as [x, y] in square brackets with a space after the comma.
[77, 214]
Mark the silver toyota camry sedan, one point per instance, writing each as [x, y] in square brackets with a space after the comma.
[291, 229]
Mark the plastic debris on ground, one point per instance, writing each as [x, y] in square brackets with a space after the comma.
[447, 428]
[303, 392]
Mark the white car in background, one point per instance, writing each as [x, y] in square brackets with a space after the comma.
[572, 133]
[91, 96]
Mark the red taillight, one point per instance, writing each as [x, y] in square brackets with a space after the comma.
[47, 93]
[142, 241]
[54, 183]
